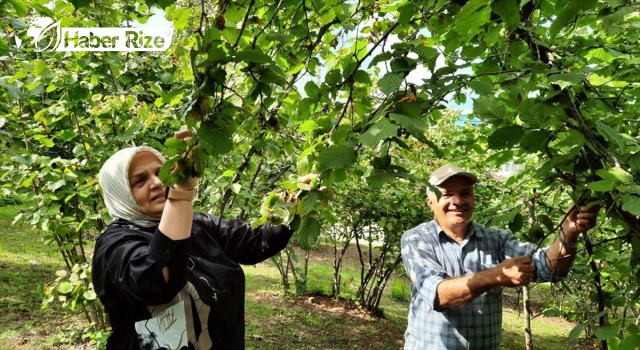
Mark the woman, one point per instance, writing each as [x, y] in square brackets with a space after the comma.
[170, 278]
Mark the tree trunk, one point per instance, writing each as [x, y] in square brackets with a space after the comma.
[528, 342]
[528, 335]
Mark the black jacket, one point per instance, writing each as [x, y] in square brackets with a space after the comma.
[127, 274]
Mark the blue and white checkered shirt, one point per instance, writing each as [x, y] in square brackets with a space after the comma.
[430, 256]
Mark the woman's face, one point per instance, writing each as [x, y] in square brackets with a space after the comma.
[146, 187]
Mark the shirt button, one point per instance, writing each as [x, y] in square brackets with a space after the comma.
[167, 251]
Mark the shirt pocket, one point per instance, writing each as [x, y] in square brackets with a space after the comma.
[486, 261]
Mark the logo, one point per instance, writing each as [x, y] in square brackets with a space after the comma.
[49, 36]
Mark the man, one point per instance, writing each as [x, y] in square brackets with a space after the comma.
[458, 267]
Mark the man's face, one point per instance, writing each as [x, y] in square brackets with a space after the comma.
[146, 187]
[455, 206]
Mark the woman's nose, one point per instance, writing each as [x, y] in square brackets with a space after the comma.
[155, 181]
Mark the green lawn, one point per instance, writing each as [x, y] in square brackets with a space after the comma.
[26, 265]
[274, 321]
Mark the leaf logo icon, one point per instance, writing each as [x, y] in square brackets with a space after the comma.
[45, 33]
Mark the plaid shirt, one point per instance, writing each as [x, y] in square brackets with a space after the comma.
[430, 256]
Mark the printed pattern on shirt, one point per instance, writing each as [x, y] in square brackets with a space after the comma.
[189, 300]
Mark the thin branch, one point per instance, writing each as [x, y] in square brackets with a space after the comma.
[244, 23]
[359, 62]
[344, 110]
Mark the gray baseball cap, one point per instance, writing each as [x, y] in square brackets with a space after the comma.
[448, 171]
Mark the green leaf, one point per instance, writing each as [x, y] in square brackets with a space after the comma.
[631, 204]
[406, 12]
[218, 53]
[630, 342]
[336, 157]
[607, 331]
[382, 130]
[534, 141]
[173, 146]
[414, 126]
[333, 77]
[362, 77]
[570, 140]
[611, 134]
[602, 186]
[565, 15]
[4, 48]
[633, 329]
[489, 109]
[327, 17]
[546, 221]
[516, 223]
[509, 11]
[215, 139]
[617, 17]
[473, 15]
[309, 202]
[564, 80]
[533, 113]
[552, 312]
[390, 83]
[21, 7]
[308, 232]
[179, 16]
[505, 137]
[65, 288]
[601, 54]
[45, 141]
[80, 3]
[89, 295]
[429, 55]
[312, 90]
[615, 174]
[66, 135]
[40, 68]
[253, 56]
[21, 160]
[308, 126]
[577, 330]
[378, 178]
[200, 159]
[481, 87]
[385, 56]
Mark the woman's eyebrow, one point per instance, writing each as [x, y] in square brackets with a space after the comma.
[135, 175]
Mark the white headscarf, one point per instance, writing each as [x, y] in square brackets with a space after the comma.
[114, 179]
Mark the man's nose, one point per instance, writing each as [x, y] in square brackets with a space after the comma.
[457, 199]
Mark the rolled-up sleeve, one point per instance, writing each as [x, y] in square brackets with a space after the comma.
[421, 266]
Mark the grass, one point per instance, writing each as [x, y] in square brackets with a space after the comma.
[273, 320]
[26, 265]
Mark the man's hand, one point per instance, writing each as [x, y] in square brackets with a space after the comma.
[515, 272]
[578, 221]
